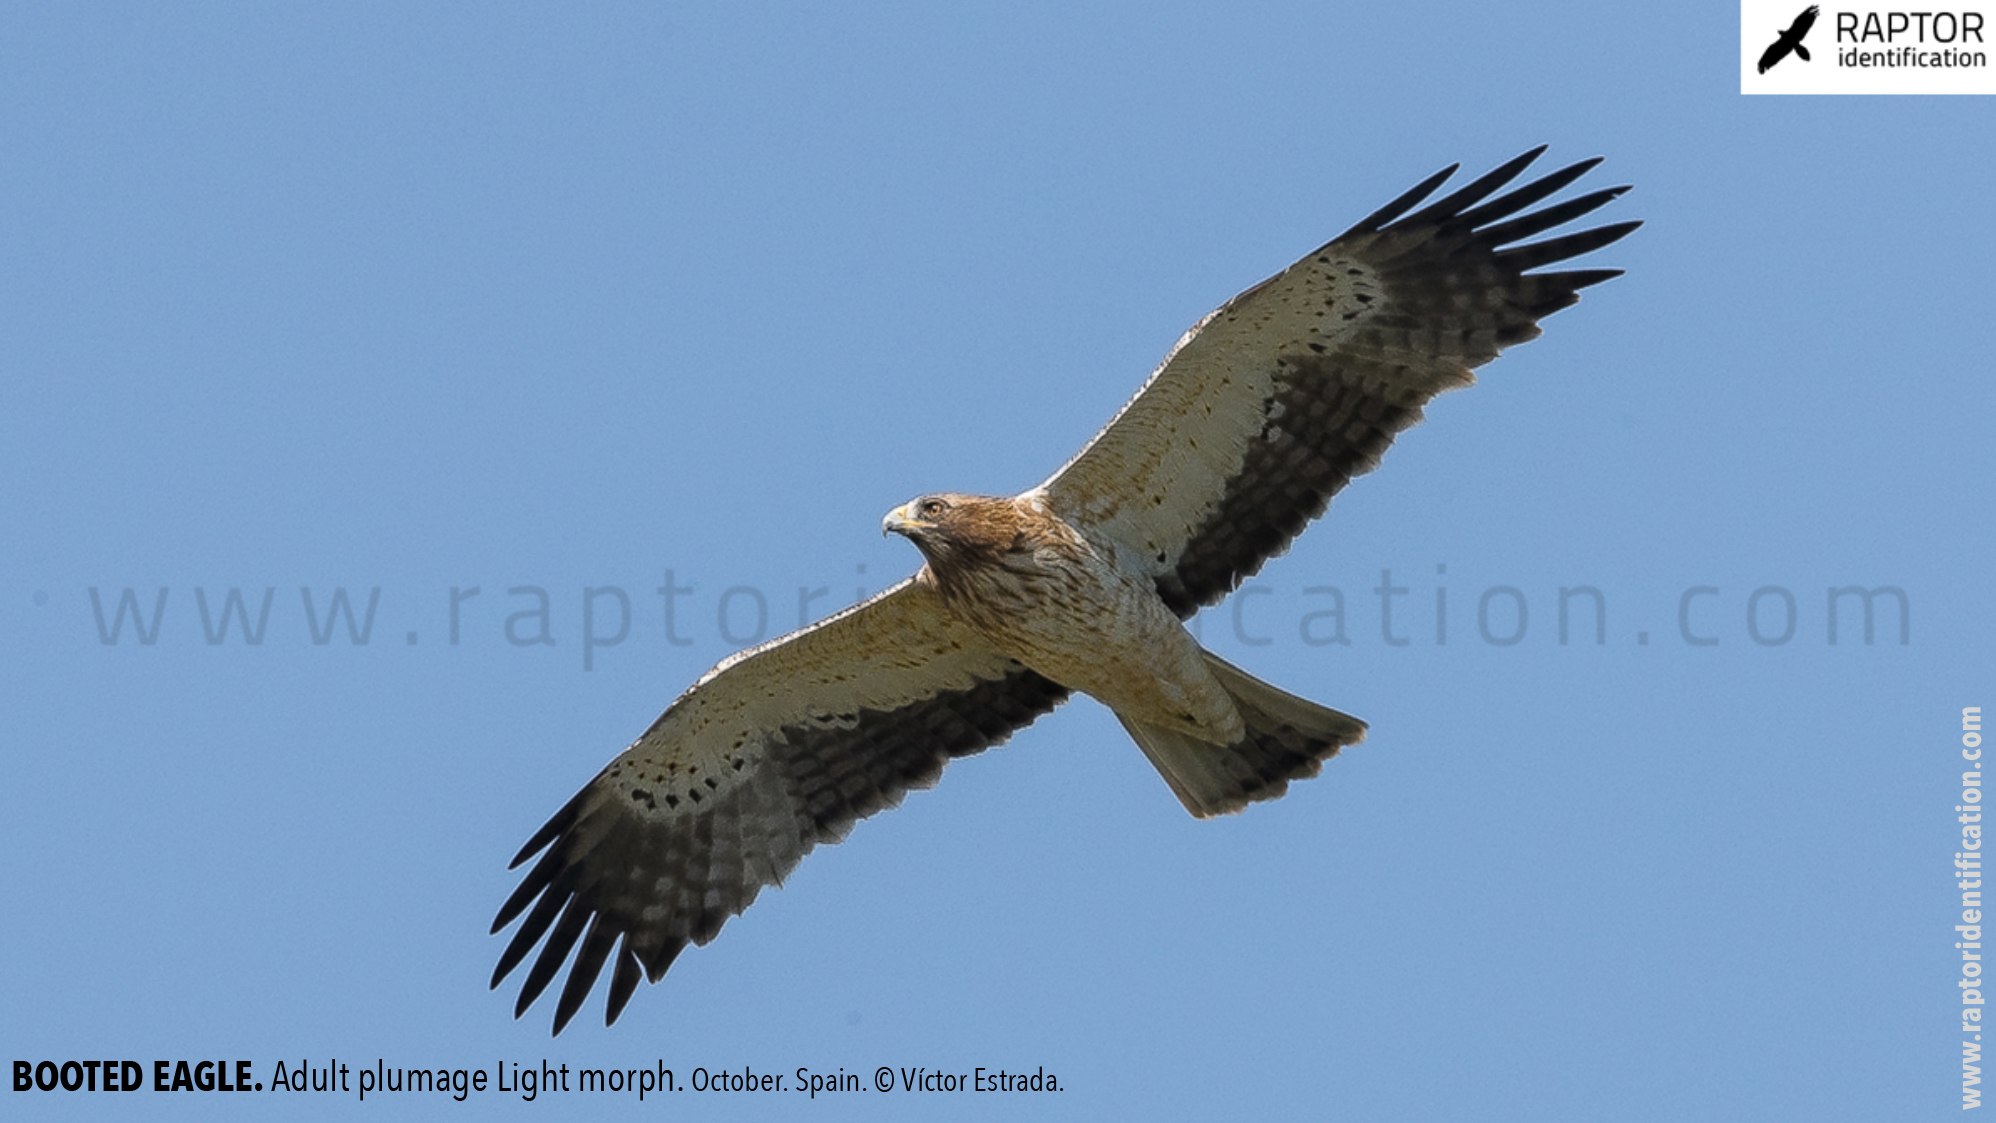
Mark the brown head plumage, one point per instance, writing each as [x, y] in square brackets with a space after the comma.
[957, 532]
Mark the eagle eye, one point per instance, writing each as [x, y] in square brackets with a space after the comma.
[930, 508]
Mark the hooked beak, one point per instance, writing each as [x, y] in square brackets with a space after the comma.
[900, 521]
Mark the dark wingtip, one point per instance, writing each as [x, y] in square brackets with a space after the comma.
[537, 879]
[1475, 190]
[623, 983]
[1538, 222]
[582, 973]
[1606, 235]
[548, 964]
[529, 934]
[1582, 278]
[557, 823]
[1515, 201]
[1536, 254]
[1401, 205]
[525, 1000]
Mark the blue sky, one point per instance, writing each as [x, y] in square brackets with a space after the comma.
[527, 298]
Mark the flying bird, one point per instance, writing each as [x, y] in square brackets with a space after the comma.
[1260, 414]
[1790, 40]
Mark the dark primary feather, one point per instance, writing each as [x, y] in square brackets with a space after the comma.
[1451, 273]
[639, 889]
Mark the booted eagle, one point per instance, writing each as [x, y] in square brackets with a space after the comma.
[1259, 415]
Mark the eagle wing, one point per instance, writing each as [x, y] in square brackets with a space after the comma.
[1271, 404]
[775, 750]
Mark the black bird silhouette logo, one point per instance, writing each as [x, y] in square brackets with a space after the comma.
[1791, 40]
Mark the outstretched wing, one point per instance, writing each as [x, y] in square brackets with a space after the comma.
[1800, 28]
[777, 749]
[1269, 406]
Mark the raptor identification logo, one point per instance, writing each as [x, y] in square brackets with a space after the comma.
[1789, 47]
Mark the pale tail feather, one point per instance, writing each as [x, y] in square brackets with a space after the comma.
[1289, 738]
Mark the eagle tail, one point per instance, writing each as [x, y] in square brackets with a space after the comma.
[1802, 52]
[1288, 738]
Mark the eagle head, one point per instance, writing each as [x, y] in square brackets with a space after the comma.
[956, 531]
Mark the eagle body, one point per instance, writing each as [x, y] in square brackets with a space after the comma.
[1036, 590]
[1260, 414]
